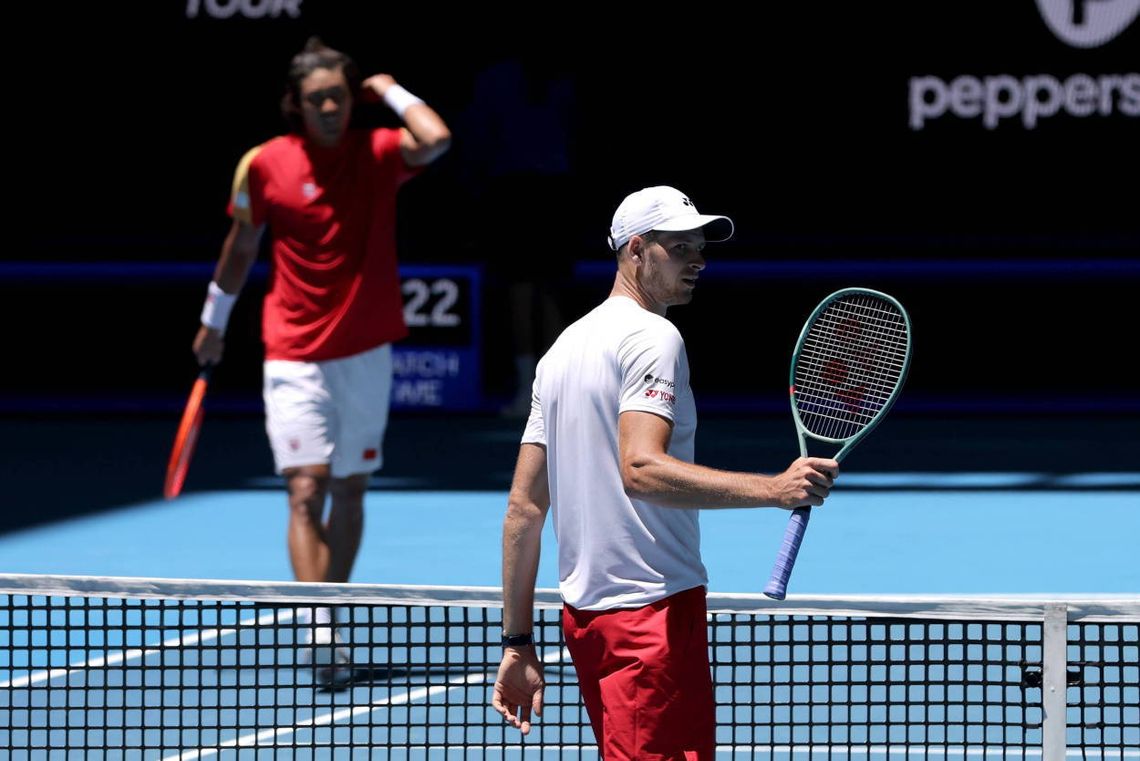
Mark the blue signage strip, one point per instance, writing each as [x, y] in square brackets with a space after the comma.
[438, 367]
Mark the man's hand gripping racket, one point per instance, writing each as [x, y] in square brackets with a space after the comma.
[848, 367]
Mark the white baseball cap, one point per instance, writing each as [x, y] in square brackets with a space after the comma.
[663, 208]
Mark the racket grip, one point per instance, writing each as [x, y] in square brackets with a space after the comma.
[786, 558]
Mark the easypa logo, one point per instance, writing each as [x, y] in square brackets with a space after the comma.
[1088, 23]
[243, 8]
[655, 381]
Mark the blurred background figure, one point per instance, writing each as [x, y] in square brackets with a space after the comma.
[517, 146]
[327, 194]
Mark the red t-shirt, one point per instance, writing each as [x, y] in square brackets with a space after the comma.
[334, 287]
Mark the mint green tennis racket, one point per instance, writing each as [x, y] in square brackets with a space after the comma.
[848, 367]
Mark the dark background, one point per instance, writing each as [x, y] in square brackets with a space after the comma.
[1014, 249]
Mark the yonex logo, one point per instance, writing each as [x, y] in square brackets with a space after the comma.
[1088, 23]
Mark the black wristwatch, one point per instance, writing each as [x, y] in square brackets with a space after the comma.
[517, 640]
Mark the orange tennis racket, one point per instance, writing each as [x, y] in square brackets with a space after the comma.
[187, 436]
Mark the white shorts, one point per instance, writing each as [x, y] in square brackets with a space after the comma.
[333, 412]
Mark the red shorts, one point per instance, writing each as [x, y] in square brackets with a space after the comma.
[644, 676]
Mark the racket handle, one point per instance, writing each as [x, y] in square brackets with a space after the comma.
[786, 558]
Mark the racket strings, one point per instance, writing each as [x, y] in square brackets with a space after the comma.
[850, 365]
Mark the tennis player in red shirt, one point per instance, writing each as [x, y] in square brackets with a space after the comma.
[326, 192]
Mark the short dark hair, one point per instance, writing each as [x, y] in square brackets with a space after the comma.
[649, 236]
[315, 55]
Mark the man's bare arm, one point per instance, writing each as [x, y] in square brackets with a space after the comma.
[649, 473]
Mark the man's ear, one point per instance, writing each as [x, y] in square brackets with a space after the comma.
[636, 247]
[289, 103]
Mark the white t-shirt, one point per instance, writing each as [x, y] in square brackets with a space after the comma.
[614, 551]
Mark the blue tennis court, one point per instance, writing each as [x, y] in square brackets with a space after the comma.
[926, 505]
[912, 540]
[915, 628]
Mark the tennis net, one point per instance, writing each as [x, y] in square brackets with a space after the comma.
[107, 668]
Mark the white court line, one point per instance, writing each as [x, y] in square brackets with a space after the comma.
[828, 751]
[277, 733]
[906, 751]
[138, 653]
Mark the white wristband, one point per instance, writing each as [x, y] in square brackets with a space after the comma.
[399, 99]
[216, 310]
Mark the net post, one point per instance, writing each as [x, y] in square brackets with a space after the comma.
[1055, 671]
